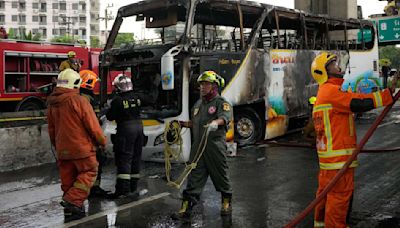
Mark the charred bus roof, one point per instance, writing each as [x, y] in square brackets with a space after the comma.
[162, 13]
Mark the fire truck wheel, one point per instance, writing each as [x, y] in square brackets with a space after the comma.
[30, 106]
[247, 126]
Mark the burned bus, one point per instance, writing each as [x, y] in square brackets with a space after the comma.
[263, 52]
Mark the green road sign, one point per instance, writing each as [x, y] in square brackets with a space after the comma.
[389, 29]
[367, 35]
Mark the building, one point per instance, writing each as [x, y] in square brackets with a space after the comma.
[334, 8]
[51, 18]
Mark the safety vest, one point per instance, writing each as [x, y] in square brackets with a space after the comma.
[334, 122]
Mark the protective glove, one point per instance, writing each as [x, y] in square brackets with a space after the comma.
[213, 126]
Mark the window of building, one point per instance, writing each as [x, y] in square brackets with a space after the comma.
[76, 32]
[35, 18]
[2, 18]
[63, 6]
[22, 18]
[14, 17]
[42, 19]
[14, 5]
[83, 6]
[75, 6]
[35, 5]
[82, 19]
[83, 32]
[55, 32]
[63, 31]
[75, 19]
[43, 31]
[22, 5]
[55, 5]
[43, 7]
[55, 19]
[35, 31]
[2, 4]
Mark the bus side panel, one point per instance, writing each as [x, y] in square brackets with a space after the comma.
[290, 87]
[246, 84]
[362, 75]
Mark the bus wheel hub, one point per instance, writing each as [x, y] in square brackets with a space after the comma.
[245, 127]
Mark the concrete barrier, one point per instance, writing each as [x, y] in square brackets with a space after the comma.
[23, 147]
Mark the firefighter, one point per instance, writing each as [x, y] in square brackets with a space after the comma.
[74, 131]
[308, 130]
[336, 136]
[71, 62]
[89, 79]
[213, 111]
[128, 141]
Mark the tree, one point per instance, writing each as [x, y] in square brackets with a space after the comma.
[64, 39]
[11, 34]
[123, 38]
[95, 42]
[392, 53]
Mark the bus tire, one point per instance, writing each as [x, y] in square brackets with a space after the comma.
[248, 126]
[30, 105]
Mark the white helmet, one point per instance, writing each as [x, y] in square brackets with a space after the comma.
[123, 83]
[69, 79]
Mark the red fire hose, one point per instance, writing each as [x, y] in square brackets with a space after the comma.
[332, 183]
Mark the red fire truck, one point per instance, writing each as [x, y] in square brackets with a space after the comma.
[27, 70]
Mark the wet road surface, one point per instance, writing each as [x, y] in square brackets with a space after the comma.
[271, 185]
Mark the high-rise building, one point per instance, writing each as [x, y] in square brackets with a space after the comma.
[51, 18]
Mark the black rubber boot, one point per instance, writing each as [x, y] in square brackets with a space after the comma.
[97, 191]
[122, 189]
[72, 212]
[134, 185]
[226, 205]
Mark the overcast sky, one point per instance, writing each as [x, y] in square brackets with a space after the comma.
[368, 6]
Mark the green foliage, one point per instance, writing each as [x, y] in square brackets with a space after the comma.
[392, 53]
[11, 34]
[95, 42]
[28, 36]
[64, 39]
[37, 37]
[123, 38]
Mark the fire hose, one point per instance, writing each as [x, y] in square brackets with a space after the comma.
[338, 175]
[172, 137]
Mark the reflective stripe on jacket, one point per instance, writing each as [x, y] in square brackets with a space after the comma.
[334, 122]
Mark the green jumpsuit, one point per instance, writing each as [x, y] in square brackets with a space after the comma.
[213, 162]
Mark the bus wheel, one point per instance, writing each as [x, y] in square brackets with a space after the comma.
[31, 105]
[247, 127]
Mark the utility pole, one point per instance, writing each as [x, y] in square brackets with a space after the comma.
[67, 21]
[107, 17]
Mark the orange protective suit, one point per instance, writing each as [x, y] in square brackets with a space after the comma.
[336, 139]
[75, 132]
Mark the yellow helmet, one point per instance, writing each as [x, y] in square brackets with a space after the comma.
[312, 100]
[211, 76]
[318, 67]
[69, 79]
[71, 54]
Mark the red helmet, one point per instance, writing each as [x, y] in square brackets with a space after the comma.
[89, 79]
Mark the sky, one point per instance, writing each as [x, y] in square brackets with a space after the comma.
[368, 6]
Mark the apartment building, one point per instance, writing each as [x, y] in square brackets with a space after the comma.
[51, 18]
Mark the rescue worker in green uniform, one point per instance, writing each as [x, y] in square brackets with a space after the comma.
[210, 113]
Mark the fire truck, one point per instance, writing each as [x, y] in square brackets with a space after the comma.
[28, 68]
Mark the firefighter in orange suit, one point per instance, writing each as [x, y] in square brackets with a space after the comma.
[74, 132]
[336, 136]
